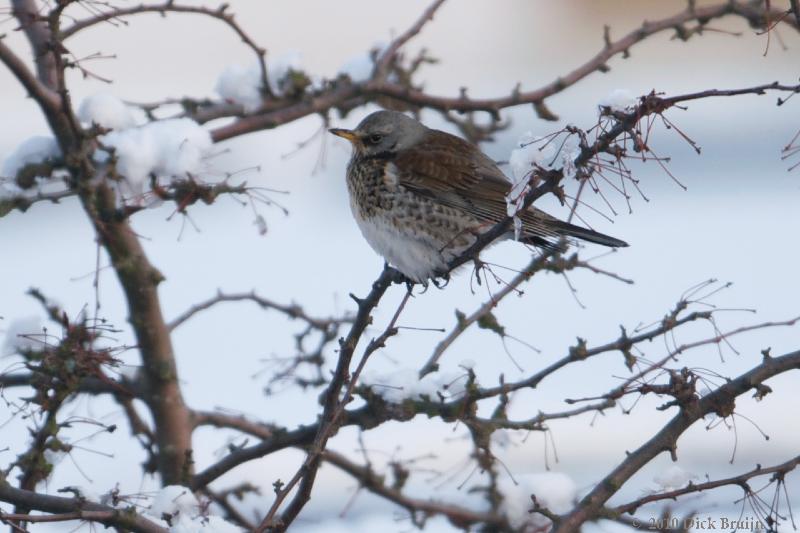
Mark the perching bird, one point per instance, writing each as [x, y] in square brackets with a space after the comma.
[422, 196]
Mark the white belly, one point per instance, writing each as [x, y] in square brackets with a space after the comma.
[413, 255]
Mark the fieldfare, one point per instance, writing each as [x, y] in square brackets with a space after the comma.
[421, 196]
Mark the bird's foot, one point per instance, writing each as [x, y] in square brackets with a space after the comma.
[400, 278]
[441, 283]
[479, 265]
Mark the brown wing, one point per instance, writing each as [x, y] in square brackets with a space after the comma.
[456, 173]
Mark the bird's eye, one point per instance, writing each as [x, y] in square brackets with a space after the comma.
[375, 138]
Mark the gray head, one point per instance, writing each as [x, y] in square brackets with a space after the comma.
[383, 132]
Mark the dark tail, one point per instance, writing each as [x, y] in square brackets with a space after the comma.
[570, 230]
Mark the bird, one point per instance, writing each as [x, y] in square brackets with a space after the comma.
[421, 196]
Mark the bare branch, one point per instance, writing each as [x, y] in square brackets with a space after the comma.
[169, 6]
[623, 344]
[292, 311]
[336, 397]
[739, 480]
[721, 402]
[222, 420]
[140, 280]
[537, 264]
[33, 24]
[87, 385]
[80, 509]
[46, 98]
[24, 202]
[233, 514]
[341, 93]
[346, 95]
[459, 516]
[389, 55]
[757, 90]
[624, 388]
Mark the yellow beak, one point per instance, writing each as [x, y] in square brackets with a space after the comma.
[347, 134]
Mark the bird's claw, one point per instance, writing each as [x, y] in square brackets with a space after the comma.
[445, 280]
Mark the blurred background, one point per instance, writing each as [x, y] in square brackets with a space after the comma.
[736, 222]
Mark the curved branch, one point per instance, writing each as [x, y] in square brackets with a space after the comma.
[24, 202]
[739, 480]
[389, 55]
[47, 99]
[47, 90]
[276, 439]
[537, 264]
[346, 95]
[140, 280]
[721, 402]
[597, 63]
[32, 23]
[457, 515]
[238, 422]
[341, 93]
[88, 385]
[335, 399]
[169, 6]
[292, 311]
[77, 509]
[317, 433]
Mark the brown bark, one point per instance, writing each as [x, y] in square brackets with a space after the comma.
[140, 280]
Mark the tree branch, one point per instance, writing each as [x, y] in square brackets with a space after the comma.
[276, 439]
[139, 280]
[43, 95]
[346, 95]
[739, 480]
[47, 90]
[385, 60]
[169, 6]
[537, 264]
[32, 22]
[24, 202]
[292, 311]
[238, 422]
[336, 397]
[721, 402]
[460, 517]
[88, 385]
[76, 509]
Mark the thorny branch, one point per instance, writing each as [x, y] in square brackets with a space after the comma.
[624, 124]
[117, 14]
[336, 397]
[39, 35]
[377, 411]
[720, 402]
[544, 262]
[23, 203]
[389, 55]
[292, 311]
[419, 509]
[174, 422]
[345, 95]
[777, 472]
[73, 509]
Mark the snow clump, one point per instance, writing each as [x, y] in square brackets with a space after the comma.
[620, 100]
[107, 111]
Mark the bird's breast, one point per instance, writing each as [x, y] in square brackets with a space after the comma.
[373, 187]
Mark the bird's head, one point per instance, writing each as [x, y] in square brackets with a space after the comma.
[383, 133]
